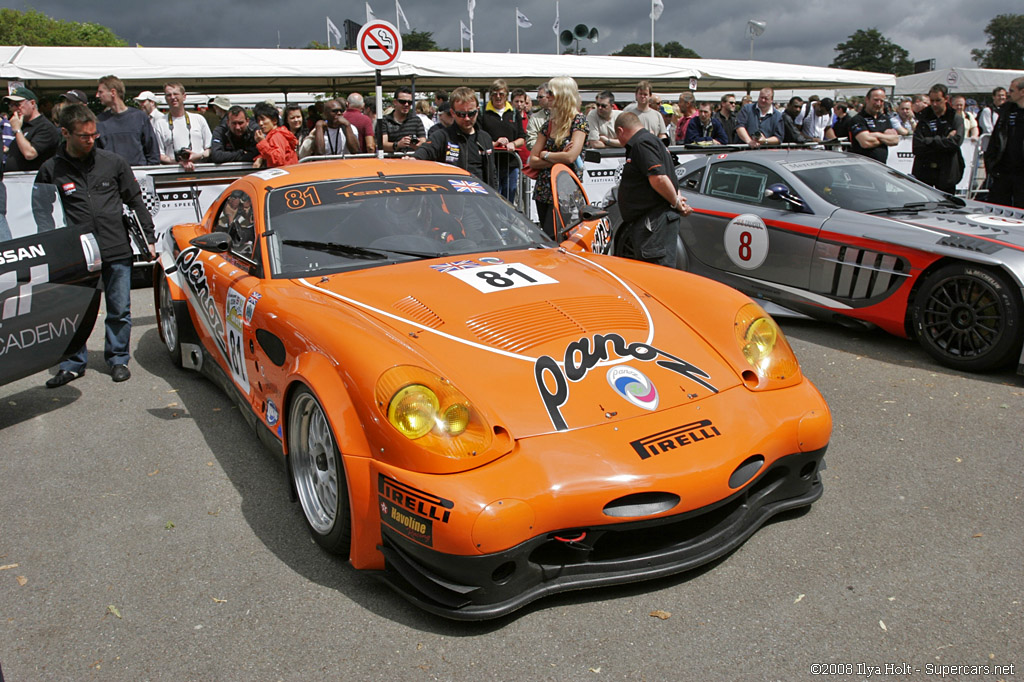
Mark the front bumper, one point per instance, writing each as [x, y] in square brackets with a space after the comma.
[494, 585]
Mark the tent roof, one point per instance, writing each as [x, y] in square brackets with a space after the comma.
[957, 80]
[245, 70]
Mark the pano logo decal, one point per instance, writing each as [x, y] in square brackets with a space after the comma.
[634, 386]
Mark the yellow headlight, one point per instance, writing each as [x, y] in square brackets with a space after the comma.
[763, 344]
[456, 419]
[413, 411]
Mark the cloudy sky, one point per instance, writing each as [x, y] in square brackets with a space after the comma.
[798, 32]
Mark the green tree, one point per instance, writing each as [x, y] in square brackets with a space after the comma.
[670, 49]
[1005, 43]
[317, 45]
[871, 51]
[419, 41]
[35, 28]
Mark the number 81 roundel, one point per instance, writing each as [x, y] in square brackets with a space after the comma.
[746, 241]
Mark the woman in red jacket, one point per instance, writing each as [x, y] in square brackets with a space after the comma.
[276, 144]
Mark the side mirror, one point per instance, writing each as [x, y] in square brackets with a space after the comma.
[215, 242]
[780, 192]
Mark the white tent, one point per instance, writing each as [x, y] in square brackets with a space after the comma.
[247, 70]
[957, 79]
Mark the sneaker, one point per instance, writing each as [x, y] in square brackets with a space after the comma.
[62, 377]
[120, 373]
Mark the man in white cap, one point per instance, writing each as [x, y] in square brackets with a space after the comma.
[147, 102]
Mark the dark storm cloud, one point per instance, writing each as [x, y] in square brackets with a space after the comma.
[799, 31]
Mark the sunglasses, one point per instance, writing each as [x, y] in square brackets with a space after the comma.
[602, 106]
[336, 111]
[465, 114]
[403, 101]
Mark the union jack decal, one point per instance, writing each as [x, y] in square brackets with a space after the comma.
[456, 265]
[468, 186]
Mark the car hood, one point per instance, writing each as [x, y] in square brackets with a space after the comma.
[542, 340]
[977, 226]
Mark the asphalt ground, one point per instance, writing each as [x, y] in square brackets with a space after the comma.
[146, 534]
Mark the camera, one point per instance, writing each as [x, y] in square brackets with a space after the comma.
[183, 154]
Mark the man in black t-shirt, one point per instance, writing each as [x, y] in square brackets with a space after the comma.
[1004, 157]
[648, 196]
[871, 131]
[35, 138]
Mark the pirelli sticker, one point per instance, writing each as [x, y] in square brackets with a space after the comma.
[410, 511]
[675, 439]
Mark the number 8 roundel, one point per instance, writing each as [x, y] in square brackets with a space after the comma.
[746, 241]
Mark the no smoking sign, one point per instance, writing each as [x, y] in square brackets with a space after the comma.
[379, 44]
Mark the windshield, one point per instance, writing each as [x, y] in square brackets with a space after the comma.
[331, 226]
[862, 185]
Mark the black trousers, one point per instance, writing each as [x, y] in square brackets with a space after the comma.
[654, 236]
[1006, 189]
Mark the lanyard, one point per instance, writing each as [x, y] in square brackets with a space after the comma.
[188, 128]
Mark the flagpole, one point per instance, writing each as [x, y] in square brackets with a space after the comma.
[328, 36]
[557, 18]
[652, 29]
[517, 30]
[471, 47]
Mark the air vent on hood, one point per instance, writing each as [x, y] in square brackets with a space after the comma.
[418, 312]
[523, 327]
[970, 243]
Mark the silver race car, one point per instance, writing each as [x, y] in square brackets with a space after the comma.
[840, 237]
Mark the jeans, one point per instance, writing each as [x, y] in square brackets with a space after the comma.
[508, 183]
[117, 292]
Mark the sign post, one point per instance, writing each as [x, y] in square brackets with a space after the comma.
[380, 45]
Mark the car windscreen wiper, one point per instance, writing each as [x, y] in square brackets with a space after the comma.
[355, 251]
[911, 207]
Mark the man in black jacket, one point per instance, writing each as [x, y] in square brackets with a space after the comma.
[937, 139]
[463, 144]
[505, 126]
[94, 184]
[1004, 157]
[233, 138]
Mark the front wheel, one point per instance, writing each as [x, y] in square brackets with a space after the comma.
[318, 474]
[968, 317]
[170, 331]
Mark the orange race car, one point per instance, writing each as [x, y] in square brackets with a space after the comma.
[479, 414]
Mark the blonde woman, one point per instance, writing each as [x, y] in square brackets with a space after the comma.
[560, 141]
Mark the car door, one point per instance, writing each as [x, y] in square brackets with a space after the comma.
[234, 277]
[570, 204]
[737, 228]
[49, 274]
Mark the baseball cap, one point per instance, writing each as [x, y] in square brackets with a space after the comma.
[22, 94]
[75, 97]
[145, 95]
[444, 107]
[667, 109]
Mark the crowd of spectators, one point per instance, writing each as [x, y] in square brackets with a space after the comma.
[151, 133]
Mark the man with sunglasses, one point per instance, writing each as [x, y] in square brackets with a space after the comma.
[726, 115]
[335, 136]
[463, 144]
[94, 185]
[401, 130]
[602, 122]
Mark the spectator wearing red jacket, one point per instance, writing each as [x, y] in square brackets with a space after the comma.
[276, 144]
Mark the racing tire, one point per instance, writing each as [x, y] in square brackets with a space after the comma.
[318, 474]
[968, 317]
[167, 321]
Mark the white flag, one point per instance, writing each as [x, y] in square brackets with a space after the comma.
[657, 7]
[333, 30]
[555, 27]
[466, 35]
[401, 16]
[521, 20]
[370, 16]
[471, 5]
